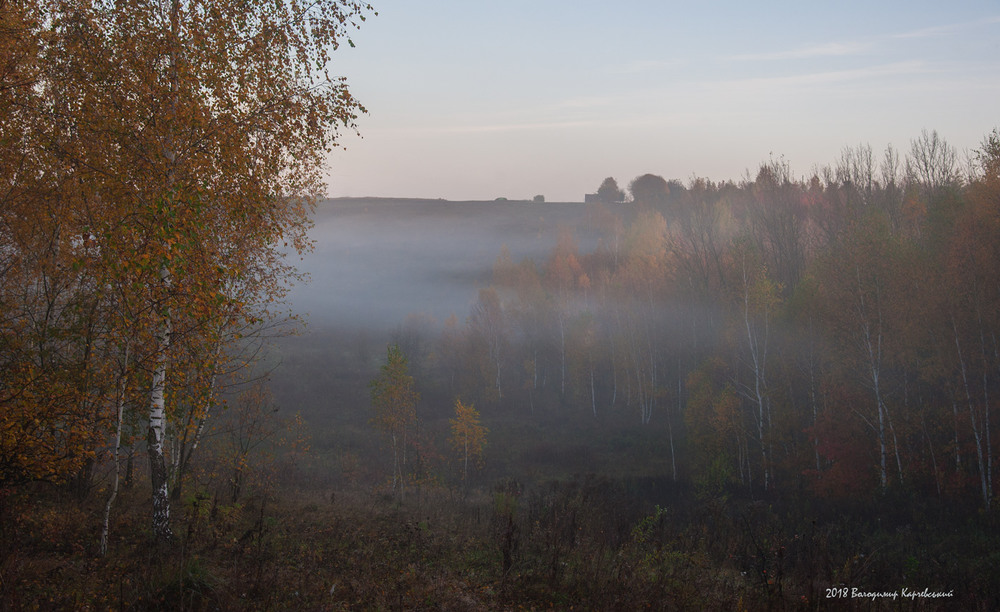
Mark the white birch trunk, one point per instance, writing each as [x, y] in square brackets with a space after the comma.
[106, 525]
[157, 428]
[156, 434]
[873, 348]
[976, 433]
[757, 344]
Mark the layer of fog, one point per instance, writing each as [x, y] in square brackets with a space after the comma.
[377, 261]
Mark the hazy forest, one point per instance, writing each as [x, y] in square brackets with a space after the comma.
[220, 391]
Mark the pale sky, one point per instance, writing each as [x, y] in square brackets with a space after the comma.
[478, 100]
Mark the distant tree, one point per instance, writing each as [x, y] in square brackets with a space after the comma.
[538, 198]
[699, 244]
[651, 190]
[468, 435]
[489, 328]
[861, 291]
[758, 298]
[249, 427]
[609, 193]
[932, 162]
[412, 336]
[987, 159]
[676, 188]
[718, 438]
[394, 401]
[584, 358]
[775, 221]
[450, 357]
[969, 311]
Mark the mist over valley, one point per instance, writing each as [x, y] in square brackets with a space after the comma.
[377, 260]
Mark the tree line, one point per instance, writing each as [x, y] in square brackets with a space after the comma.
[839, 332]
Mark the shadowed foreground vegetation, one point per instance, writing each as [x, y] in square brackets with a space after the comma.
[583, 542]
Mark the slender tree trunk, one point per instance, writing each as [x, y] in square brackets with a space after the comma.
[813, 402]
[895, 444]
[157, 430]
[757, 344]
[185, 452]
[680, 411]
[156, 434]
[673, 454]
[593, 392]
[976, 433]
[562, 355]
[652, 381]
[106, 525]
[465, 467]
[882, 446]
[129, 467]
[815, 415]
[237, 479]
[614, 372]
[499, 390]
[986, 413]
[402, 470]
[958, 451]
[873, 348]
[930, 447]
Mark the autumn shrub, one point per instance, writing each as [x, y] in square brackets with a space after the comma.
[191, 586]
[506, 525]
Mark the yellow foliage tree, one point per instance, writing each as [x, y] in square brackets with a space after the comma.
[168, 153]
[395, 400]
[468, 435]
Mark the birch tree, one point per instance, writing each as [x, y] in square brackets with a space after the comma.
[191, 135]
[861, 292]
[468, 435]
[758, 300]
[489, 327]
[973, 290]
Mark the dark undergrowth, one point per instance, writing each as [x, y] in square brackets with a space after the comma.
[586, 543]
